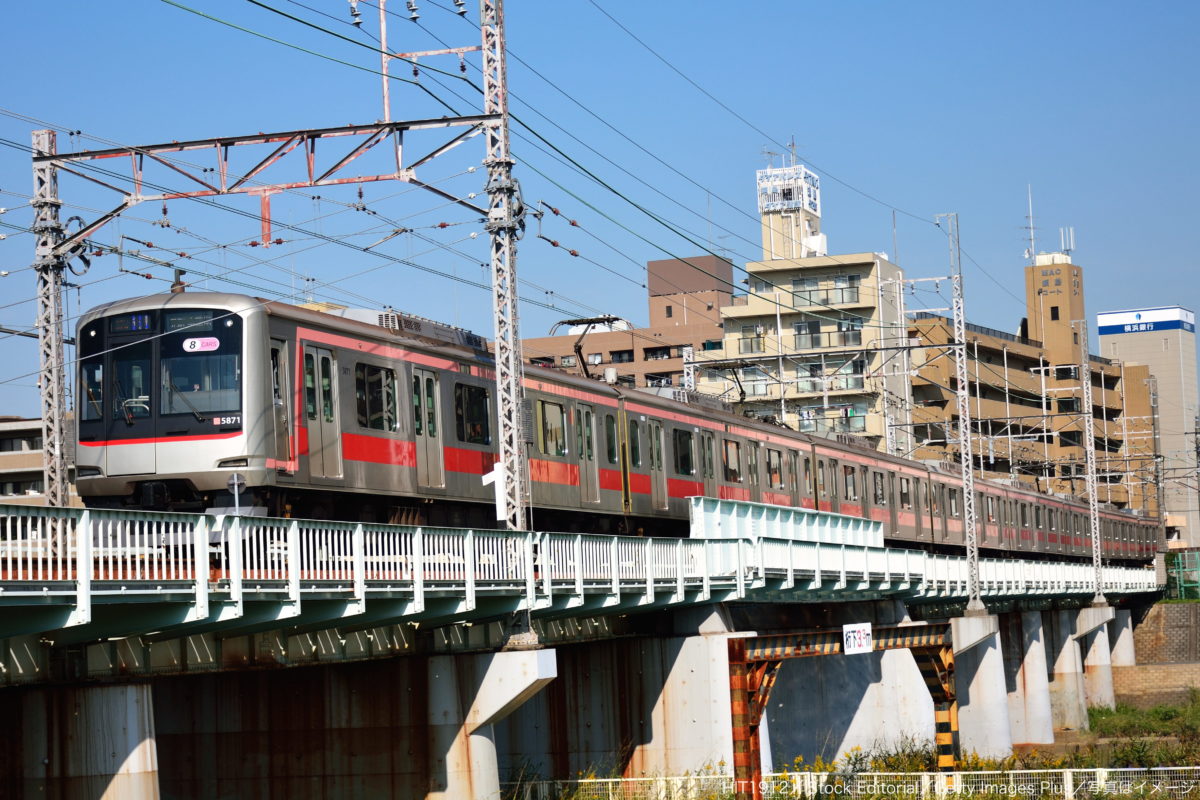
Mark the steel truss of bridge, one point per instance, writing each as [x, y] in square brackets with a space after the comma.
[159, 592]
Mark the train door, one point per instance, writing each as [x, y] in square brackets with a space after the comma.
[585, 435]
[658, 474]
[427, 427]
[131, 414]
[321, 413]
[708, 462]
[281, 414]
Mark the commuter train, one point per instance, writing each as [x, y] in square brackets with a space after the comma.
[392, 418]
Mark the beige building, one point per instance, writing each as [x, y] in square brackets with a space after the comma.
[685, 298]
[1027, 397]
[1164, 339]
[811, 344]
[21, 463]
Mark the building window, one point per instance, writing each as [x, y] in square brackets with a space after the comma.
[712, 344]
[1054, 313]
[471, 414]
[659, 379]
[621, 356]
[670, 312]
[808, 334]
[752, 339]
[657, 353]
[595, 358]
[567, 361]
[542, 361]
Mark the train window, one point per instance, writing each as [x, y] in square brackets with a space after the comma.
[991, 508]
[430, 407]
[610, 437]
[774, 469]
[733, 461]
[683, 442]
[131, 382]
[953, 502]
[906, 500]
[878, 494]
[1024, 514]
[793, 469]
[93, 389]
[849, 484]
[935, 491]
[552, 430]
[472, 414]
[418, 417]
[327, 388]
[752, 463]
[706, 455]
[635, 443]
[1053, 519]
[808, 479]
[1037, 515]
[375, 395]
[821, 490]
[310, 386]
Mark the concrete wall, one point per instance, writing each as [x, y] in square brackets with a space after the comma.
[354, 730]
[626, 707]
[826, 706]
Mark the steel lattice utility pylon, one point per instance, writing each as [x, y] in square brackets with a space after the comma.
[504, 223]
[1089, 456]
[49, 266]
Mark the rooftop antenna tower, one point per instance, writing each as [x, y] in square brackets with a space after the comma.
[1031, 252]
[1066, 238]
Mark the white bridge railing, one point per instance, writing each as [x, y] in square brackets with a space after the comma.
[76, 553]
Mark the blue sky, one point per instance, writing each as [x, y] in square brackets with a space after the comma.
[928, 107]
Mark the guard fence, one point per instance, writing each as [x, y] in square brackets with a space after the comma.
[1164, 783]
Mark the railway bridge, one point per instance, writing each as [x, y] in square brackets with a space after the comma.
[142, 651]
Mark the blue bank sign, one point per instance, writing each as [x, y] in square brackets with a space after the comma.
[1146, 320]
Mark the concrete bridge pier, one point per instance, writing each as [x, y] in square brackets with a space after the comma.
[1026, 676]
[467, 695]
[1092, 631]
[1120, 638]
[983, 721]
[66, 742]
[1068, 700]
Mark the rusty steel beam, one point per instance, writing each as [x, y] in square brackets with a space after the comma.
[754, 664]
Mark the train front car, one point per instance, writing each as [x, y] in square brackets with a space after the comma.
[168, 405]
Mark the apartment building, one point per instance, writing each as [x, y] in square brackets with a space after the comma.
[684, 297]
[21, 462]
[1026, 395]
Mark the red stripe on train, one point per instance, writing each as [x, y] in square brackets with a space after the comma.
[162, 440]
[553, 472]
[377, 450]
[610, 479]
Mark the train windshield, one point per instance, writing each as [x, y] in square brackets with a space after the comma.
[156, 373]
[202, 384]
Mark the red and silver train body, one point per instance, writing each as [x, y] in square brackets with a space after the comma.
[330, 417]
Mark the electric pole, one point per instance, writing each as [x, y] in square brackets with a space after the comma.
[505, 221]
[49, 263]
[1089, 456]
[963, 396]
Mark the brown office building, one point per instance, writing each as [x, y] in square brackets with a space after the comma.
[685, 298]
